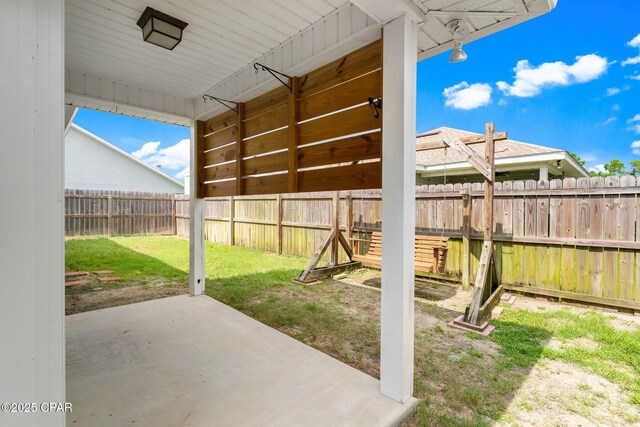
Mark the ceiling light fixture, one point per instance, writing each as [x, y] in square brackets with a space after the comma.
[161, 29]
[460, 31]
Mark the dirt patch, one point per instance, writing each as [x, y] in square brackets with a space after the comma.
[112, 296]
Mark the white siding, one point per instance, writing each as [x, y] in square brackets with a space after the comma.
[31, 212]
[92, 165]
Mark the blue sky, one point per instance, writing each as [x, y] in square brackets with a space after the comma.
[573, 91]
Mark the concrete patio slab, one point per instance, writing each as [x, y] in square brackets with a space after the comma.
[193, 361]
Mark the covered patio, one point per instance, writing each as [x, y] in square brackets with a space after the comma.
[62, 55]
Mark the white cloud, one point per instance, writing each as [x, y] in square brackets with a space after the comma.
[609, 121]
[502, 102]
[467, 97]
[634, 77]
[184, 172]
[175, 157]
[613, 91]
[598, 168]
[635, 42]
[529, 81]
[615, 107]
[635, 147]
[588, 157]
[635, 124]
[146, 150]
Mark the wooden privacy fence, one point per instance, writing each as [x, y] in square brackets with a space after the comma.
[118, 213]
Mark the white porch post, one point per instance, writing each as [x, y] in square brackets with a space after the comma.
[544, 173]
[196, 225]
[398, 207]
[32, 363]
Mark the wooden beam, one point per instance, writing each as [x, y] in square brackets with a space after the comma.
[472, 157]
[476, 139]
[279, 222]
[335, 221]
[240, 150]
[294, 114]
[481, 280]
[350, 221]
[466, 240]
[232, 214]
[316, 258]
[489, 151]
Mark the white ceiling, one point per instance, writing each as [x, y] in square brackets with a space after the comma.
[223, 36]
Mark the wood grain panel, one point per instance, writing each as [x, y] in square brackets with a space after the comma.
[219, 122]
[270, 184]
[355, 177]
[217, 189]
[227, 170]
[353, 92]
[220, 155]
[359, 119]
[266, 164]
[220, 138]
[362, 147]
[355, 64]
[266, 143]
[273, 119]
[266, 102]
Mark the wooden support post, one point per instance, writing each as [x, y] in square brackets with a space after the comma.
[174, 224]
[240, 150]
[466, 238]
[489, 153]
[484, 269]
[109, 215]
[279, 222]
[196, 211]
[232, 214]
[335, 222]
[349, 222]
[292, 154]
[316, 259]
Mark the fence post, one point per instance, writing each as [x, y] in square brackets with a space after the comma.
[349, 222]
[466, 238]
[335, 220]
[232, 214]
[110, 215]
[279, 222]
[174, 225]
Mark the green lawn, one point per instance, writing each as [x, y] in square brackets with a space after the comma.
[341, 320]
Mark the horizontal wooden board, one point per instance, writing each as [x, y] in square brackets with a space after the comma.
[266, 102]
[266, 164]
[219, 138]
[362, 147]
[359, 119]
[355, 64]
[266, 143]
[476, 139]
[270, 184]
[355, 177]
[228, 170]
[220, 155]
[273, 119]
[218, 189]
[226, 119]
[344, 95]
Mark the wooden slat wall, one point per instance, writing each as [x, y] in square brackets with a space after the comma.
[117, 213]
[282, 146]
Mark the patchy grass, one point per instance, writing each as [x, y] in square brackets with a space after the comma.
[591, 365]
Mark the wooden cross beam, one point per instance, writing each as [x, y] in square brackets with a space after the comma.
[476, 139]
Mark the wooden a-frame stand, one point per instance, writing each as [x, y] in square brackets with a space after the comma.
[486, 290]
[335, 240]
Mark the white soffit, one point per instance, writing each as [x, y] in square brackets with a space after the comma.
[223, 36]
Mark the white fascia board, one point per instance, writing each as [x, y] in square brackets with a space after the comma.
[125, 154]
[102, 93]
[538, 8]
[335, 35]
[513, 163]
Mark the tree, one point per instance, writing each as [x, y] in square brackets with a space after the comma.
[635, 168]
[616, 168]
[577, 158]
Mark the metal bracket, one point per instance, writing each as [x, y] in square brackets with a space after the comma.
[375, 104]
[221, 101]
[274, 73]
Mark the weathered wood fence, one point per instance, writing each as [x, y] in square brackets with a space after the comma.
[118, 213]
[576, 239]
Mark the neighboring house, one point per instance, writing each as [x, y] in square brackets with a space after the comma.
[91, 163]
[514, 161]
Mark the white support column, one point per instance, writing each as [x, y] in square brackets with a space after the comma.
[544, 173]
[398, 207]
[196, 225]
[32, 359]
